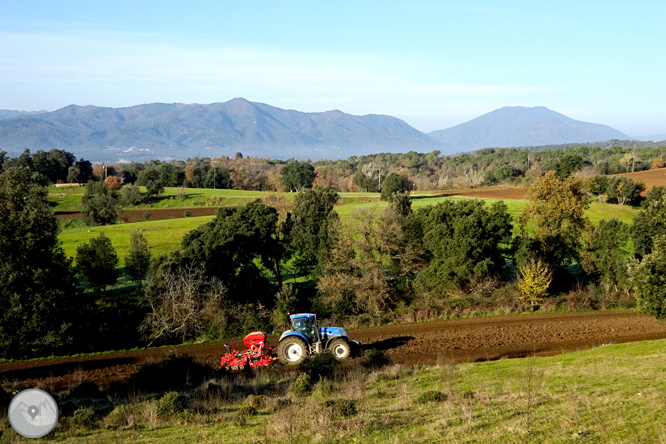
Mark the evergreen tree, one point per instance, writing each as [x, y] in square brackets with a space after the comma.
[137, 262]
[38, 295]
[96, 263]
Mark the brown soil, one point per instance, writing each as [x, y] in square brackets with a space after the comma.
[155, 213]
[461, 340]
[651, 178]
[487, 192]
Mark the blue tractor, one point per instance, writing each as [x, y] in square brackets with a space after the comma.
[306, 338]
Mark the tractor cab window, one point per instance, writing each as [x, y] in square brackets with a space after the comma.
[307, 327]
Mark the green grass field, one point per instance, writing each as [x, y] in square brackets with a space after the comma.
[610, 394]
[165, 236]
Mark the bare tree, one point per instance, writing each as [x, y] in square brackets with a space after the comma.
[181, 309]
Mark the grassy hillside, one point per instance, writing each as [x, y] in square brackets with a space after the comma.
[165, 235]
[611, 394]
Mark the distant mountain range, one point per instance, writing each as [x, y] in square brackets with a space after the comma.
[167, 131]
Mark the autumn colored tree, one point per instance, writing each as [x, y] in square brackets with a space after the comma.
[534, 278]
[657, 162]
[556, 212]
[113, 183]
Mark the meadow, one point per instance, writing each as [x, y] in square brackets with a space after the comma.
[164, 236]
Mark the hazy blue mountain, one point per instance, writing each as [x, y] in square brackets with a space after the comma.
[654, 138]
[180, 131]
[517, 126]
[10, 114]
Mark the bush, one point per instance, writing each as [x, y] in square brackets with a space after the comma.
[170, 404]
[321, 366]
[83, 418]
[343, 407]
[256, 402]
[431, 396]
[375, 358]
[323, 388]
[302, 385]
[123, 415]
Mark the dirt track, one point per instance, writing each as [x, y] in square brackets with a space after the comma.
[461, 340]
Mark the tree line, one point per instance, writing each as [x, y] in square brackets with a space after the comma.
[427, 171]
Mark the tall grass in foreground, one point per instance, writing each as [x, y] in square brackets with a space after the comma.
[611, 394]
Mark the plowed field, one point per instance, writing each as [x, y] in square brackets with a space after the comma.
[461, 340]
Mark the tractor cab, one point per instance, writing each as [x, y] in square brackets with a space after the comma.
[306, 324]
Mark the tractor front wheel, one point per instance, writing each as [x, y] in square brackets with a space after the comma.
[340, 348]
[292, 351]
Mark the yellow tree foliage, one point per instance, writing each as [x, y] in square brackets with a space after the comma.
[657, 162]
[557, 212]
[533, 281]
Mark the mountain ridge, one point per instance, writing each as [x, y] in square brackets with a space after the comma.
[179, 131]
[518, 126]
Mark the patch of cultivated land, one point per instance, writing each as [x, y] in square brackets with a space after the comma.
[651, 178]
[460, 340]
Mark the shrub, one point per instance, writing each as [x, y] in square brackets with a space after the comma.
[170, 404]
[321, 366]
[256, 402]
[83, 417]
[302, 385]
[323, 388]
[123, 415]
[343, 407]
[375, 358]
[431, 396]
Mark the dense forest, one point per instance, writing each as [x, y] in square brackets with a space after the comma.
[251, 265]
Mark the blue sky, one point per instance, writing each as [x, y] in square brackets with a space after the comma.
[434, 64]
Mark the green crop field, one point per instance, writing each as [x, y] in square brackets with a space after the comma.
[165, 236]
[610, 394]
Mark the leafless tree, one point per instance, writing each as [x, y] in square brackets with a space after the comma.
[182, 308]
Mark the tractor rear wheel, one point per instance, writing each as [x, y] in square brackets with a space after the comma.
[292, 351]
[340, 348]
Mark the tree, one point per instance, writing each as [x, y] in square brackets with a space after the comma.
[628, 160]
[96, 263]
[568, 164]
[394, 183]
[297, 175]
[534, 278]
[228, 246]
[137, 262]
[657, 162]
[623, 189]
[131, 195]
[183, 306]
[40, 304]
[608, 253]
[647, 277]
[598, 186]
[312, 217]
[556, 211]
[151, 180]
[371, 265]
[401, 202]
[112, 183]
[99, 207]
[650, 222]
[464, 240]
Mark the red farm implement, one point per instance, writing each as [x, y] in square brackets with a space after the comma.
[258, 354]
